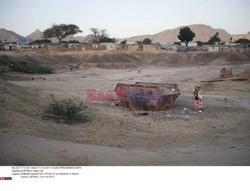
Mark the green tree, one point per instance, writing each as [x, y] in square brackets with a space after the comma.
[214, 39]
[147, 41]
[61, 31]
[186, 35]
[139, 42]
[242, 41]
[41, 41]
[123, 43]
[106, 39]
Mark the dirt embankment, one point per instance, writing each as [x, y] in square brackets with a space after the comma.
[119, 60]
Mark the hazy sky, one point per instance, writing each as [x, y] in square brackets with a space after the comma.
[124, 18]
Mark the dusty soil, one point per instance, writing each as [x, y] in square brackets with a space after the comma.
[220, 135]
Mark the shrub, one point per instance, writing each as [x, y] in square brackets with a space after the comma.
[30, 68]
[66, 111]
[18, 66]
[5, 60]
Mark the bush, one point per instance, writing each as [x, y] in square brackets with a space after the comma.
[242, 41]
[18, 66]
[5, 60]
[66, 111]
[30, 68]
[147, 41]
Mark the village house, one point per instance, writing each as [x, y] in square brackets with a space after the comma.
[76, 46]
[88, 47]
[107, 46]
[213, 49]
[133, 47]
[240, 48]
[151, 48]
[7, 47]
[192, 44]
[226, 49]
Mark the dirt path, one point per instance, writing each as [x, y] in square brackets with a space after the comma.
[30, 150]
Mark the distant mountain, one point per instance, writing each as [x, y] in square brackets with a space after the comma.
[36, 35]
[10, 36]
[202, 33]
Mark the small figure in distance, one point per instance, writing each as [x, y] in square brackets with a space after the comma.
[71, 67]
[139, 70]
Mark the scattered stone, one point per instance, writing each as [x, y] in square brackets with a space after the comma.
[141, 113]
[121, 123]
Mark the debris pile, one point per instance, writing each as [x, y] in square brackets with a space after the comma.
[226, 73]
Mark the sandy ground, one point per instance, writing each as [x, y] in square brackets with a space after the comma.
[220, 135]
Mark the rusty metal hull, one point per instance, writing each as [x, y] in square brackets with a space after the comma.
[147, 96]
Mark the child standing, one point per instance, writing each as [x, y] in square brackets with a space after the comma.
[197, 98]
